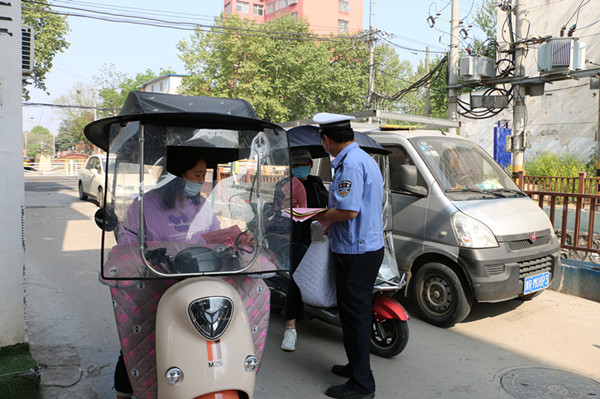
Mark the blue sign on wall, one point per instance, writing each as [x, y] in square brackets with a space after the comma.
[503, 158]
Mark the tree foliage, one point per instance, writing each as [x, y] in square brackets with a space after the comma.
[283, 70]
[114, 86]
[74, 120]
[486, 20]
[37, 139]
[50, 32]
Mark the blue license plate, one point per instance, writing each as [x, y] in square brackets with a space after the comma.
[536, 283]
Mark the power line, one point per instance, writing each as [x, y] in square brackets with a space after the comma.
[69, 106]
[186, 26]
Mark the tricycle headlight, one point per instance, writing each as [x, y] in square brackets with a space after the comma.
[471, 233]
[173, 375]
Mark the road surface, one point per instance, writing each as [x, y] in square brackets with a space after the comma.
[545, 348]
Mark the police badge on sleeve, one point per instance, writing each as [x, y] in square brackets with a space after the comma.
[344, 187]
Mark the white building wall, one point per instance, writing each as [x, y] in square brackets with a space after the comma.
[565, 118]
[166, 84]
[12, 324]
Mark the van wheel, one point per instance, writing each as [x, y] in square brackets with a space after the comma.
[82, 195]
[440, 296]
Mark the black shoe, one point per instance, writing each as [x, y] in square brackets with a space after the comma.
[342, 371]
[346, 392]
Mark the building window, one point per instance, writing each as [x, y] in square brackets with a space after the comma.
[281, 4]
[270, 8]
[344, 6]
[257, 9]
[342, 26]
[242, 7]
[295, 15]
[228, 8]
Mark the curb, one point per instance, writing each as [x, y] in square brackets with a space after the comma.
[578, 278]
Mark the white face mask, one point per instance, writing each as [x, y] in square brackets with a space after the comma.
[192, 188]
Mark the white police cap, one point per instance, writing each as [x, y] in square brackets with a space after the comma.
[325, 118]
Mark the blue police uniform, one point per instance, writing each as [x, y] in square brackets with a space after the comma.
[357, 248]
[357, 186]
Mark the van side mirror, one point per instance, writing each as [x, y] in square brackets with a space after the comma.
[408, 180]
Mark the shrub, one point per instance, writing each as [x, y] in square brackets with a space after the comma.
[563, 165]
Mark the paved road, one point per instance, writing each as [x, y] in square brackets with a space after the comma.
[545, 348]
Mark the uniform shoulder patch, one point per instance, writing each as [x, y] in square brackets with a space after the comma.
[344, 187]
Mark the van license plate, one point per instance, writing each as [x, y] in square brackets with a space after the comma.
[536, 283]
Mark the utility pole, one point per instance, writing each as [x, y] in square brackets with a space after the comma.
[428, 86]
[369, 103]
[519, 109]
[12, 327]
[598, 134]
[453, 65]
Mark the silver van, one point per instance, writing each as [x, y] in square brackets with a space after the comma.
[463, 230]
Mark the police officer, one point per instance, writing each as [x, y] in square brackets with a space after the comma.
[356, 242]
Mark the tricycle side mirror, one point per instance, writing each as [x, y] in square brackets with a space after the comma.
[105, 219]
[408, 180]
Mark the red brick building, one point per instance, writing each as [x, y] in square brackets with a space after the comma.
[325, 17]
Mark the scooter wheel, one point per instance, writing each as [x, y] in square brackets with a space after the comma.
[389, 337]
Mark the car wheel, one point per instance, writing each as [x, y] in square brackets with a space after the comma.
[389, 337]
[100, 197]
[82, 195]
[440, 296]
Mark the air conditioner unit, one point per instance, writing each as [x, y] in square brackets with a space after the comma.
[561, 54]
[474, 67]
[27, 49]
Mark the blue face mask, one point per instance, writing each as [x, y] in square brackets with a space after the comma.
[301, 172]
[192, 188]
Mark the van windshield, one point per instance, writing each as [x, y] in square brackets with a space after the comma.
[464, 170]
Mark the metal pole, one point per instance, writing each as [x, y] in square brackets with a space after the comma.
[598, 137]
[369, 104]
[453, 65]
[519, 110]
[428, 87]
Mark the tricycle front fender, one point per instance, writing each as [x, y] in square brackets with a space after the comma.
[385, 307]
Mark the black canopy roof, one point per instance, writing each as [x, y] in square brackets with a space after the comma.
[175, 110]
[307, 136]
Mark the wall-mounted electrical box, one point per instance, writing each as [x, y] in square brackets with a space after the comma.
[560, 54]
[474, 67]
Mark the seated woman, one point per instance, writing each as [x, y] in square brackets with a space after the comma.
[174, 212]
[173, 208]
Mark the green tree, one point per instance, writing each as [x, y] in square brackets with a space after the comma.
[38, 138]
[114, 86]
[486, 20]
[70, 130]
[50, 32]
[283, 70]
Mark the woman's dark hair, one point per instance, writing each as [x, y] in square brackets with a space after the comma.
[182, 159]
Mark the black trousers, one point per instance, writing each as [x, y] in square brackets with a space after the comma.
[355, 276]
[294, 308]
[122, 384]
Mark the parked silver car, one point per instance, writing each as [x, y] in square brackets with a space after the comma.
[91, 179]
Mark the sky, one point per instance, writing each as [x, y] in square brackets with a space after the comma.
[133, 48]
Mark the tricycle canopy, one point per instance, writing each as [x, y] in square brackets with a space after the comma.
[161, 227]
